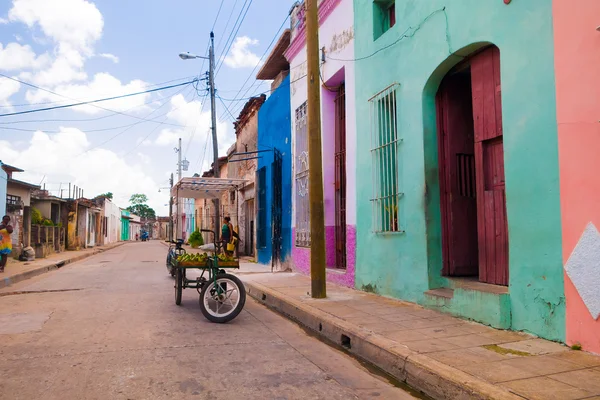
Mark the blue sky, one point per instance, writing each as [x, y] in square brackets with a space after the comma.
[85, 49]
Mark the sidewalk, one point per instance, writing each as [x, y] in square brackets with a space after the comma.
[17, 271]
[442, 356]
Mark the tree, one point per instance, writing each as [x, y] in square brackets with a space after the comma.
[107, 195]
[139, 207]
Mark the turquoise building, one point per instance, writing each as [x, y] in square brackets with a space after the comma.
[458, 205]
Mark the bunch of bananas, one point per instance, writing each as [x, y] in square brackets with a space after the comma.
[223, 257]
[192, 258]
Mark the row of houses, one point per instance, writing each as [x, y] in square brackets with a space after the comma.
[51, 224]
[459, 141]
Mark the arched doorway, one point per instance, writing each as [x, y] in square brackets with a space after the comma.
[471, 168]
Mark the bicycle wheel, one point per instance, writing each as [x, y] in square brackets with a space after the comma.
[178, 285]
[222, 298]
[169, 263]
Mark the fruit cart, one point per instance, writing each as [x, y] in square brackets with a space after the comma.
[222, 294]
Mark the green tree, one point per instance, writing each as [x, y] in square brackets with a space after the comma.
[139, 207]
[107, 195]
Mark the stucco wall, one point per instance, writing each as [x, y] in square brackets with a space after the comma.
[577, 57]
[428, 39]
[23, 193]
[274, 131]
[3, 181]
[336, 35]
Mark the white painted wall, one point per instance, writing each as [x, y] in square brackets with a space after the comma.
[336, 34]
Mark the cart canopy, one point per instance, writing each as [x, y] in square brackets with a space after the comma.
[205, 188]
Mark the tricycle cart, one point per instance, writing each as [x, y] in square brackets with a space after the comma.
[222, 295]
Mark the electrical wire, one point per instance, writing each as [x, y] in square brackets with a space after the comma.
[233, 119]
[267, 50]
[60, 101]
[217, 17]
[60, 95]
[91, 102]
[233, 35]
[99, 129]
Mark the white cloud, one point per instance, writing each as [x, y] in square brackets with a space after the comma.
[97, 171]
[78, 23]
[110, 57]
[8, 87]
[196, 120]
[102, 85]
[17, 57]
[240, 55]
[3, 21]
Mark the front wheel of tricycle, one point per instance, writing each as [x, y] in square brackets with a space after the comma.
[222, 298]
[178, 285]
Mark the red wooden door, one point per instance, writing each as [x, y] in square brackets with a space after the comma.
[489, 161]
[457, 176]
[340, 178]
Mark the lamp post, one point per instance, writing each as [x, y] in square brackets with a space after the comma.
[213, 111]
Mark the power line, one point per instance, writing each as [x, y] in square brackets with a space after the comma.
[60, 101]
[227, 26]
[102, 129]
[233, 35]
[70, 98]
[217, 17]
[95, 101]
[260, 60]
[227, 109]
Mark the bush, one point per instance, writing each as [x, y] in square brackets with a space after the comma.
[36, 216]
[196, 239]
[47, 222]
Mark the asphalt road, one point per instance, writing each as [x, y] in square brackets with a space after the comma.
[108, 328]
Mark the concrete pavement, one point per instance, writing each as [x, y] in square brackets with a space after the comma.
[443, 356]
[17, 271]
[107, 328]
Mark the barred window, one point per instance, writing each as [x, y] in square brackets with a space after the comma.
[386, 197]
[261, 225]
[301, 159]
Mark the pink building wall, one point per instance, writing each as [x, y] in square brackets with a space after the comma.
[336, 35]
[577, 65]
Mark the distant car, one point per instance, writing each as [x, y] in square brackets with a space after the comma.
[145, 236]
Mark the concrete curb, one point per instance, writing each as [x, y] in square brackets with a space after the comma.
[422, 373]
[52, 265]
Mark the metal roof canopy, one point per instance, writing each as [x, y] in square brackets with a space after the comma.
[205, 188]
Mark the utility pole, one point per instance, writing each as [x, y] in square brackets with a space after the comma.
[179, 161]
[171, 209]
[315, 164]
[213, 111]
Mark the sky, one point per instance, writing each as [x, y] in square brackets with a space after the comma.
[84, 50]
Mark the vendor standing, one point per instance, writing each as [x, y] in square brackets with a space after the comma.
[5, 241]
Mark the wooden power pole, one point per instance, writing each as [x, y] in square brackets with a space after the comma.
[315, 164]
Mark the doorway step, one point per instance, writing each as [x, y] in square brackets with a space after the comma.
[471, 299]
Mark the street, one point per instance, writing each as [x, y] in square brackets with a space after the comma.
[108, 328]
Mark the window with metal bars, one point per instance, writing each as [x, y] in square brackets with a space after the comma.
[261, 223]
[385, 146]
[301, 160]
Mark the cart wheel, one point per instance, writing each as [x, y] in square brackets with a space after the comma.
[178, 285]
[170, 266]
[223, 301]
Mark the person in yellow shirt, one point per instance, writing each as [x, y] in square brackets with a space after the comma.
[5, 241]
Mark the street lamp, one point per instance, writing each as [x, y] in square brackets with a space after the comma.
[188, 56]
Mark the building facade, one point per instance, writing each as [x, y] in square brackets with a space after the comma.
[338, 136]
[577, 56]
[274, 176]
[242, 164]
[458, 199]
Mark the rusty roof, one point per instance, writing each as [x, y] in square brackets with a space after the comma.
[276, 62]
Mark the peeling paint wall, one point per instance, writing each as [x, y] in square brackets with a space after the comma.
[577, 57]
[429, 38]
